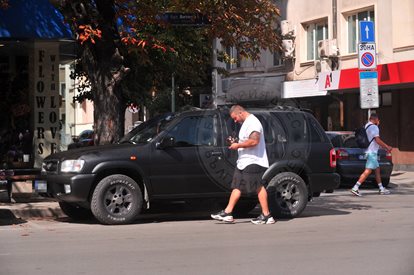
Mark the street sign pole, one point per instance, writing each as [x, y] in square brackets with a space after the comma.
[367, 64]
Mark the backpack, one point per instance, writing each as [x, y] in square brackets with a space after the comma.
[361, 137]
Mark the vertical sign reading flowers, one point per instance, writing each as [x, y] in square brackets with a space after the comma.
[46, 99]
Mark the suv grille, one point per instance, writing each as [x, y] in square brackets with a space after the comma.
[50, 166]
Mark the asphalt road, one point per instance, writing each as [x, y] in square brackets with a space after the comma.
[337, 234]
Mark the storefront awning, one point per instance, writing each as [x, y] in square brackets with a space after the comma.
[388, 74]
[32, 20]
[392, 74]
[302, 88]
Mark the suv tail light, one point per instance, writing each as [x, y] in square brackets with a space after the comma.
[342, 154]
[332, 158]
[388, 156]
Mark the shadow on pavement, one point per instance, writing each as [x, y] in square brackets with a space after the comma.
[8, 218]
[183, 212]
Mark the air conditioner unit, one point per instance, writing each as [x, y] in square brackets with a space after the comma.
[288, 48]
[286, 29]
[328, 48]
[323, 66]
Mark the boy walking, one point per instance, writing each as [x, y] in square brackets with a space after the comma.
[372, 156]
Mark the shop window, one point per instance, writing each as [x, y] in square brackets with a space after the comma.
[353, 27]
[314, 33]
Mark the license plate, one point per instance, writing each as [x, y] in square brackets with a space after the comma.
[41, 186]
[362, 157]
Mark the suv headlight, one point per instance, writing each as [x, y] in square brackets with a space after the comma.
[72, 165]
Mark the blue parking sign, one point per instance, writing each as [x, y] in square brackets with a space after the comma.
[366, 31]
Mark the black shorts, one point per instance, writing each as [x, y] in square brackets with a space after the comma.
[248, 180]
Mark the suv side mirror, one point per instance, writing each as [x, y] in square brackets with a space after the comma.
[166, 142]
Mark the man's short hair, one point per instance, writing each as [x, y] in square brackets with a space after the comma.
[374, 116]
[236, 108]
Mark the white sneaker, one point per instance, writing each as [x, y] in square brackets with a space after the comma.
[384, 191]
[356, 192]
[262, 219]
[223, 216]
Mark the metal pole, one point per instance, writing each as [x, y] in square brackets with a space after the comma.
[172, 93]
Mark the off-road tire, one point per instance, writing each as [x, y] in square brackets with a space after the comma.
[117, 199]
[287, 195]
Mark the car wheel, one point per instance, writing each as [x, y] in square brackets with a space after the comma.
[75, 212]
[287, 195]
[117, 199]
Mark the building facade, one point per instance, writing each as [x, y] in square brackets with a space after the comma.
[319, 68]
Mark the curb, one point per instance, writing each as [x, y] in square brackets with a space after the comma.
[30, 210]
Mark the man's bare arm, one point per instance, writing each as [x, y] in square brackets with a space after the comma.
[382, 144]
[253, 140]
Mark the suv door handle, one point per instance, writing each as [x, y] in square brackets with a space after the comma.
[216, 154]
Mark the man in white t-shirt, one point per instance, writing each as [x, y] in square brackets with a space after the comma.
[372, 156]
[251, 165]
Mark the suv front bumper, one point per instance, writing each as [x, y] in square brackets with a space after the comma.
[70, 187]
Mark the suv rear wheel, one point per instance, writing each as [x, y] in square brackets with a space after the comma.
[287, 195]
[117, 199]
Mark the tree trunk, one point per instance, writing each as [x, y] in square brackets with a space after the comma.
[109, 107]
[106, 70]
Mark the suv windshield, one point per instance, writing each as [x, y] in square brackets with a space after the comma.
[148, 130]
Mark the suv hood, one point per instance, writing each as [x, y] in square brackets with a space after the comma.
[102, 151]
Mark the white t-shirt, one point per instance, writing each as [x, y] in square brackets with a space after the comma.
[372, 132]
[256, 154]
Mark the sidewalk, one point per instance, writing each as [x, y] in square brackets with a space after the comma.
[38, 207]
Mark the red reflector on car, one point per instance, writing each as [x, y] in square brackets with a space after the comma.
[388, 156]
[332, 158]
[342, 154]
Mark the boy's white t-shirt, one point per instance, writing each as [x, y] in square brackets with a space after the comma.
[252, 155]
[372, 132]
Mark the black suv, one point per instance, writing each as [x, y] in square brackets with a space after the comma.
[185, 157]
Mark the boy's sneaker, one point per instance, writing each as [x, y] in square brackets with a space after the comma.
[356, 192]
[262, 219]
[223, 216]
[384, 192]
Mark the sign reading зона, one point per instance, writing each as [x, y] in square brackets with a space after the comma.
[46, 100]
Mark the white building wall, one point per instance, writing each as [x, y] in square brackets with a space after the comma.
[394, 32]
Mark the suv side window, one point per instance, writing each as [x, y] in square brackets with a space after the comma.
[315, 130]
[195, 131]
[232, 128]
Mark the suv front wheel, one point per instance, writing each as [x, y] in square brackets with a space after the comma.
[287, 195]
[117, 199]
